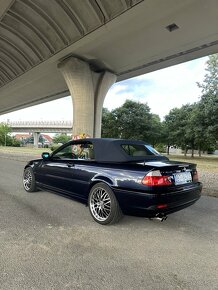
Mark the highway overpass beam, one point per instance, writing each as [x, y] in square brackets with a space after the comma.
[88, 90]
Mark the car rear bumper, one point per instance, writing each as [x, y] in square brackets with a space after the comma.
[151, 204]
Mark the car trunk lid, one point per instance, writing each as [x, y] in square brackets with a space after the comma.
[180, 173]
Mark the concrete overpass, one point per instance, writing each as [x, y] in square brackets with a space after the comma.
[41, 126]
[53, 48]
[38, 127]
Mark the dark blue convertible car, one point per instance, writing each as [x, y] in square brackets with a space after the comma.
[115, 177]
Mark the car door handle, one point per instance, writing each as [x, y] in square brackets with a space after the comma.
[70, 165]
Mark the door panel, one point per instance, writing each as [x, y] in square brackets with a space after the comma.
[57, 174]
[70, 169]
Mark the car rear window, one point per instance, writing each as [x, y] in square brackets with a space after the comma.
[136, 150]
[150, 148]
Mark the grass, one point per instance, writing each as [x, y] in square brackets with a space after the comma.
[24, 150]
[206, 162]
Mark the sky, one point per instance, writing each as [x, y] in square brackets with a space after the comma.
[162, 90]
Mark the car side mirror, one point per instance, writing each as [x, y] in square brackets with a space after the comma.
[45, 155]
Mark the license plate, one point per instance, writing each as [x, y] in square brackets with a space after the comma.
[182, 178]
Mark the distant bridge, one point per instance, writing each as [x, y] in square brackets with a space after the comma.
[37, 127]
[41, 126]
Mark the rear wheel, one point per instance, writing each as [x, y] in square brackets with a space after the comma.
[103, 205]
[29, 183]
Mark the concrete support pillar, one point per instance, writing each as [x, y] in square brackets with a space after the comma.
[36, 139]
[88, 90]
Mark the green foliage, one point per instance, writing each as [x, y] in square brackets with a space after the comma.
[195, 126]
[132, 120]
[12, 141]
[210, 82]
[156, 133]
[109, 127]
[5, 138]
[160, 148]
[61, 138]
[187, 128]
[4, 134]
[54, 147]
[178, 127]
[208, 105]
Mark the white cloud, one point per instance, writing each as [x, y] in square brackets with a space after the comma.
[117, 95]
[161, 90]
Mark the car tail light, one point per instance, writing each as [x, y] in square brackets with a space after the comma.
[154, 178]
[195, 176]
[161, 205]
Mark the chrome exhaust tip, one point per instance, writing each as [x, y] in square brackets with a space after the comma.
[159, 217]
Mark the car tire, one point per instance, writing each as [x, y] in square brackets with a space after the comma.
[29, 182]
[103, 205]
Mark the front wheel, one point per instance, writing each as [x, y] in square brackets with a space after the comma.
[29, 183]
[103, 205]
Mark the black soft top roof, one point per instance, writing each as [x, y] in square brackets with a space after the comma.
[110, 150]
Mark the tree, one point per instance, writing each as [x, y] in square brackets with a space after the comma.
[179, 128]
[4, 133]
[200, 130]
[187, 128]
[210, 82]
[61, 138]
[156, 134]
[109, 125]
[167, 133]
[208, 104]
[12, 141]
[130, 121]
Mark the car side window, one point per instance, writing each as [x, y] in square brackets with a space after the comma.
[64, 153]
[79, 151]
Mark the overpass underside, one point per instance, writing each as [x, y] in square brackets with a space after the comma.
[50, 49]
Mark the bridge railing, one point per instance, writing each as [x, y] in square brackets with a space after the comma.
[40, 124]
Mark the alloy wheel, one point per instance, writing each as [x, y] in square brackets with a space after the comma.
[27, 180]
[100, 204]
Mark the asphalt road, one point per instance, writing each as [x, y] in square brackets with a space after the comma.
[51, 242]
